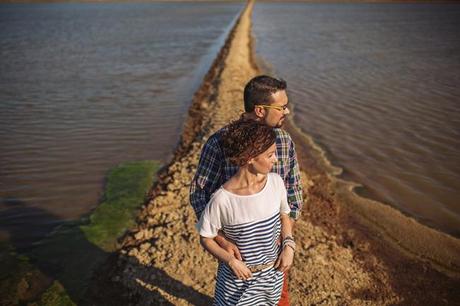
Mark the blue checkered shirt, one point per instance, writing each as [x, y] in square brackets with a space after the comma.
[214, 170]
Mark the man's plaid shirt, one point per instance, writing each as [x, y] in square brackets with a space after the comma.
[214, 170]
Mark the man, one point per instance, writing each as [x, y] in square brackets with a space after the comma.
[265, 100]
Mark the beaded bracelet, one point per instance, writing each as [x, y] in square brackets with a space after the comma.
[292, 246]
[289, 241]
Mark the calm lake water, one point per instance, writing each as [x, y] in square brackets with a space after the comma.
[84, 87]
[377, 86]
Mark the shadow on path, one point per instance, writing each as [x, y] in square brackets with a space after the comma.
[145, 282]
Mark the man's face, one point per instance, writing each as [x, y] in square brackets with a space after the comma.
[274, 117]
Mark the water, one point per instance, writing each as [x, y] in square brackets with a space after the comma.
[84, 87]
[376, 85]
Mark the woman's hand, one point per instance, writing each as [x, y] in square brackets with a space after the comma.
[240, 269]
[284, 261]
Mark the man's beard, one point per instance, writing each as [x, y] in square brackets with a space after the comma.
[280, 123]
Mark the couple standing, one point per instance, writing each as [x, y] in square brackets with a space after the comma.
[247, 194]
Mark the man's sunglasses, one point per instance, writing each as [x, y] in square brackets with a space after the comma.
[277, 107]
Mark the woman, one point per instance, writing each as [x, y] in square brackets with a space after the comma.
[252, 210]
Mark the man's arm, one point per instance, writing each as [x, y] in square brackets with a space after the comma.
[238, 267]
[228, 245]
[208, 176]
[294, 185]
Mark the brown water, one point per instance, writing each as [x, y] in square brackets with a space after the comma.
[84, 87]
[377, 86]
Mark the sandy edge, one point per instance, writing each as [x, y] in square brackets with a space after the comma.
[342, 260]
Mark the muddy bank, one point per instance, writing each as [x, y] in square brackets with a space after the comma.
[341, 260]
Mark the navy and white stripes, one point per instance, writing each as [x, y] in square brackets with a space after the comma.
[257, 242]
[253, 223]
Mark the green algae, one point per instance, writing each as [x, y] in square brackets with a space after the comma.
[126, 188]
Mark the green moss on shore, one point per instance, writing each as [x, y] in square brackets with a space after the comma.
[126, 189]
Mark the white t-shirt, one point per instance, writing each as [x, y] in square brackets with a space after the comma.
[227, 208]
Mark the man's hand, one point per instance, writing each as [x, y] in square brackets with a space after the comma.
[228, 246]
[284, 261]
[240, 269]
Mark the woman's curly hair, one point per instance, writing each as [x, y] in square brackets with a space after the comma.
[244, 139]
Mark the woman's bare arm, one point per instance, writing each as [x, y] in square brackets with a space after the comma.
[286, 226]
[284, 261]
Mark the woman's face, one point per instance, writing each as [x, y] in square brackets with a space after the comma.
[263, 163]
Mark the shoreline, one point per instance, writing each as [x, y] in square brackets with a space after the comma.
[345, 257]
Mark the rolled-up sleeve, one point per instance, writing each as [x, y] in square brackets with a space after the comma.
[206, 228]
[293, 185]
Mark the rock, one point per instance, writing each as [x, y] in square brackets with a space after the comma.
[133, 252]
[145, 246]
[139, 235]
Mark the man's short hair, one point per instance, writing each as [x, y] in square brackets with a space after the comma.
[259, 90]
